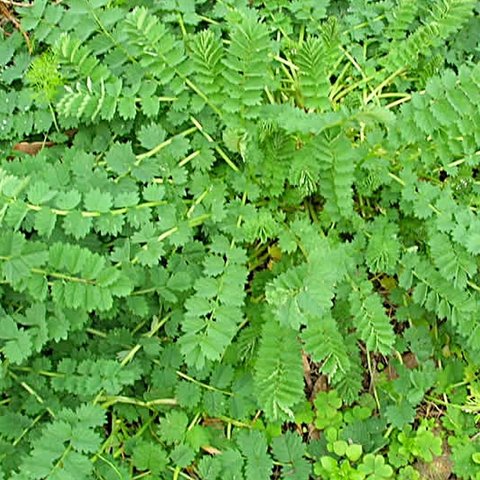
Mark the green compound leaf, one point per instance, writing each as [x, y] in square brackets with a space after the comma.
[149, 456]
[120, 158]
[225, 224]
[325, 344]
[253, 446]
[97, 201]
[182, 455]
[278, 371]
[172, 429]
[17, 345]
[289, 450]
[372, 322]
[77, 225]
[150, 136]
[374, 466]
[68, 200]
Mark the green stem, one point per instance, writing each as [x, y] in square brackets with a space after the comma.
[61, 459]
[235, 423]
[201, 384]
[176, 471]
[156, 326]
[372, 381]
[397, 179]
[161, 146]
[62, 276]
[96, 332]
[353, 86]
[188, 158]
[217, 148]
[114, 399]
[383, 84]
[91, 214]
[44, 373]
[54, 118]
[108, 34]
[26, 430]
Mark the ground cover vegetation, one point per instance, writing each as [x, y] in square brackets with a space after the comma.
[239, 239]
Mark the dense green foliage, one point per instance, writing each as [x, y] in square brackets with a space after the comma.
[251, 248]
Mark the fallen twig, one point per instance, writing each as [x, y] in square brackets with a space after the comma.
[16, 4]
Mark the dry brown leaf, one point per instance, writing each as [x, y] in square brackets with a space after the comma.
[320, 385]
[32, 148]
[9, 16]
[211, 450]
[213, 422]
[439, 469]
[409, 360]
[307, 371]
